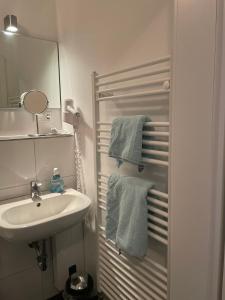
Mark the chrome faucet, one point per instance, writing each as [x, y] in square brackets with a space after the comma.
[35, 191]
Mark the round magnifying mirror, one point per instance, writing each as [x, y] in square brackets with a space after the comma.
[34, 101]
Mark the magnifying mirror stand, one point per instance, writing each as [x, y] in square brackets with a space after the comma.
[37, 124]
[37, 127]
[35, 102]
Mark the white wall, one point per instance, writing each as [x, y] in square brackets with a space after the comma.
[219, 266]
[104, 35]
[196, 205]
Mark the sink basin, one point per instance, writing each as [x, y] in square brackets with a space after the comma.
[29, 221]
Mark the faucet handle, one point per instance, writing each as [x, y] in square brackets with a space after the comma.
[36, 184]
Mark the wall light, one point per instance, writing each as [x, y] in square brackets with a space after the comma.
[10, 24]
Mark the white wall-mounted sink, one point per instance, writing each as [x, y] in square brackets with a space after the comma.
[25, 220]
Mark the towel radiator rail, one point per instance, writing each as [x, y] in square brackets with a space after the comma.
[148, 64]
[134, 95]
[157, 210]
[148, 153]
[133, 86]
[153, 275]
[146, 124]
[119, 275]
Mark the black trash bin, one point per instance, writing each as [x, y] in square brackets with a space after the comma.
[79, 287]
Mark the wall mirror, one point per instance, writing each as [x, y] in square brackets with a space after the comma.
[28, 63]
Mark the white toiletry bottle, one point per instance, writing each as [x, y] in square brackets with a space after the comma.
[56, 183]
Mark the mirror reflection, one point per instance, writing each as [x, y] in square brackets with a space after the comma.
[28, 63]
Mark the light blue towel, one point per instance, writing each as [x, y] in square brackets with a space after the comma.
[126, 220]
[126, 139]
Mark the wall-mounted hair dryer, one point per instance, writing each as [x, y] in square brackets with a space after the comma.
[73, 110]
[72, 114]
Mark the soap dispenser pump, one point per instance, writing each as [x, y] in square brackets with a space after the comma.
[57, 183]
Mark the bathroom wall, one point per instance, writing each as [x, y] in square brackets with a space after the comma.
[102, 36]
[24, 160]
[197, 142]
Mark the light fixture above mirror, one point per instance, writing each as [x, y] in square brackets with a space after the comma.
[10, 24]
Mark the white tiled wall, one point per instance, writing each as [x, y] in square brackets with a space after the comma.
[23, 161]
[20, 162]
[17, 163]
[54, 153]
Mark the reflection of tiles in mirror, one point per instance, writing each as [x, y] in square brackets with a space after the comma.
[21, 123]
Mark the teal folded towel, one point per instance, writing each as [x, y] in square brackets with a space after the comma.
[126, 219]
[126, 139]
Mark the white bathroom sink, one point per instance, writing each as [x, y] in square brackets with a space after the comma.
[25, 220]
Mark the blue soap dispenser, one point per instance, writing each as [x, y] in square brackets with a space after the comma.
[56, 183]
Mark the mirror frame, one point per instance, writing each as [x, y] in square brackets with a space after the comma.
[23, 97]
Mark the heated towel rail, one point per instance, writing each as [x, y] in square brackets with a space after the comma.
[147, 154]
[121, 277]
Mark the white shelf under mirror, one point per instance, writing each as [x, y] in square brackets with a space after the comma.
[30, 137]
